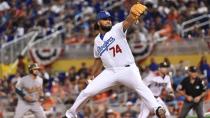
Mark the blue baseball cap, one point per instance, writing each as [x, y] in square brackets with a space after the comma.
[103, 15]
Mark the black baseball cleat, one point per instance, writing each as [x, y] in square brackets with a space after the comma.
[161, 112]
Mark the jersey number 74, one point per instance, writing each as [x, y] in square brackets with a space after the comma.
[115, 49]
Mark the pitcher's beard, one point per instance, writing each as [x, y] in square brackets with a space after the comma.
[106, 28]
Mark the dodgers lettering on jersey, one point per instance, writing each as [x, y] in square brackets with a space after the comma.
[104, 47]
[156, 83]
[113, 49]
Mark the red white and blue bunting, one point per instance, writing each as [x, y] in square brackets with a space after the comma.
[45, 56]
[141, 50]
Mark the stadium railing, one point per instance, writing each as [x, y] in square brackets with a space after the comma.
[198, 22]
[10, 51]
[194, 46]
[55, 39]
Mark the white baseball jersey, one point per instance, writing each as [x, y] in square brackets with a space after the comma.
[156, 83]
[29, 86]
[113, 48]
[115, 53]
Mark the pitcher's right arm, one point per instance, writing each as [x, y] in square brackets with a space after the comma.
[96, 67]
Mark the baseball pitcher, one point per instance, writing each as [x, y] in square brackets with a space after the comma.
[112, 51]
[29, 90]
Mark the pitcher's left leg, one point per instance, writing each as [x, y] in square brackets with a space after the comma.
[131, 78]
[160, 101]
[144, 111]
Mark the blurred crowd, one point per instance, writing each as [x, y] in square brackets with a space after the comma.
[163, 19]
[18, 17]
[62, 88]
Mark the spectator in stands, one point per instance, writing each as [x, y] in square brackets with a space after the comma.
[83, 70]
[9, 35]
[56, 88]
[72, 73]
[3, 87]
[132, 97]
[15, 78]
[2, 109]
[153, 66]
[102, 96]
[19, 24]
[180, 73]
[195, 33]
[181, 67]
[194, 90]
[204, 68]
[99, 111]
[177, 78]
[208, 32]
[4, 5]
[69, 27]
[110, 113]
[49, 102]
[127, 115]
[21, 66]
[81, 83]
[172, 70]
[129, 110]
[160, 12]
[114, 100]
[87, 113]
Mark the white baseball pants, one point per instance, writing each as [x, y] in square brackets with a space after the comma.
[128, 76]
[145, 111]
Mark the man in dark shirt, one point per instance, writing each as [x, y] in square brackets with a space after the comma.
[194, 90]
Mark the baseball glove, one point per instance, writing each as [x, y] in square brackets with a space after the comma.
[136, 10]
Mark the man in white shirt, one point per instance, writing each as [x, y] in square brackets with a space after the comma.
[112, 51]
[157, 81]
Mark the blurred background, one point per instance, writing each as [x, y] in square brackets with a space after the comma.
[59, 34]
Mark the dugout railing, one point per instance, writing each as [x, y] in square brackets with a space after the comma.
[196, 22]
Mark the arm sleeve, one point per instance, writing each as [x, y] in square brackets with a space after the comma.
[19, 87]
[19, 92]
